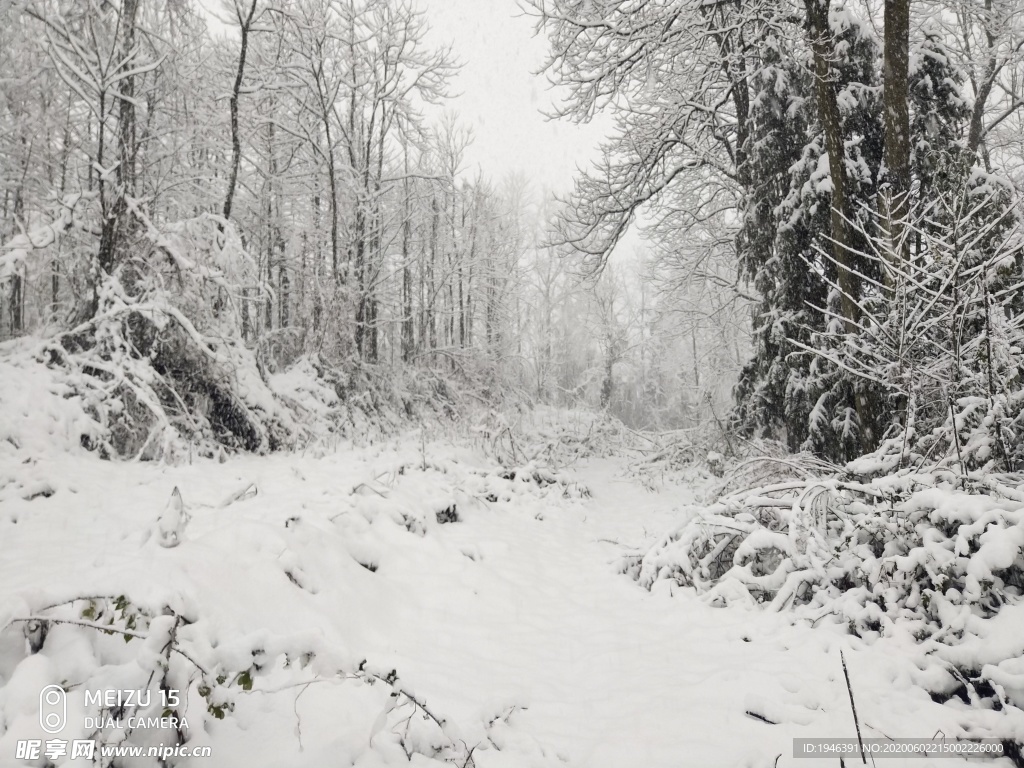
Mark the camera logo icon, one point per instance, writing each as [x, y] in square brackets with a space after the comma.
[53, 709]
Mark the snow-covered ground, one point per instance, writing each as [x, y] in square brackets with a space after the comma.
[513, 625]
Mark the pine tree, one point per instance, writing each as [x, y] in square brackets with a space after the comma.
[786, 392]
[780, 125]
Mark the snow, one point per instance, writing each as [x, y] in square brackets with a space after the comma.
[15, 252]
[299, 579]
[40, 411]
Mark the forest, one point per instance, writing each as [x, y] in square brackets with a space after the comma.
[757, 367]
[294, 188]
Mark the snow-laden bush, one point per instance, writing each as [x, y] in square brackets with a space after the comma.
[935, 558]
[902, 543]
[551, 437]
[921, 540]
[160, 359]
[936, 350]
[181, 681]
[154, 349]
[42, 410]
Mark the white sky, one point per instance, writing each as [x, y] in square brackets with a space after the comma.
[501, 99]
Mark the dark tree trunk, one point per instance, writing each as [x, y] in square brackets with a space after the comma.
[332, 179]
[896, 195]
[284, 285]
[407, 325]
[820, 37]
[17, 304]
[983, 87]
[114, 232]
[831, 122]
[317, 266]
[359, 265]
[431, 292]
[369, 294]
[236, 141]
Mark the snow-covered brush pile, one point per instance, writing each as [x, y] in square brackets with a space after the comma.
[157, 356]
[159, 365]
[709, 444]
[42, 409]
[762, 463]
[356, 402]
[554, 438]
[528, 479]
[559, 438]
[533, 481]
[936, 557]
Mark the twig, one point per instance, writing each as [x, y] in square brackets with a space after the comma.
[721, 427]
[370, 488]
[104, 628]
[75, 600]
[298, 720]
[956, 442]
[853, 706]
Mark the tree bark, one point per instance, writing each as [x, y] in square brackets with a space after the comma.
[236, 142]
[896, 191]
[831, 121]
[407, 327]
[115, 224]
[820, 37]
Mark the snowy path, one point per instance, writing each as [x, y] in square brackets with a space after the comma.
[614, 676]
[517, 610]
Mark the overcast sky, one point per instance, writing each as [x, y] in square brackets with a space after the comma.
[501, 99]
[499, 96]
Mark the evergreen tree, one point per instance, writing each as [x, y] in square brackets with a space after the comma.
[781, 123]
[785, 391]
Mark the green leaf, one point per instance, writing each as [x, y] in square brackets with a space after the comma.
[245, 680]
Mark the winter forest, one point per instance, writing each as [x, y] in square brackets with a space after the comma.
[501, 383]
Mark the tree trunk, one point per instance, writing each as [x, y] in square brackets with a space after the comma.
[407, 327]
[114, 230]
[236, 141]
[17, 304]
[831, 122]
[284, 284]
[820, 37]
[983, 87]
[317, 265]
[359, 265]
[55, 264]
[434, 225]
[896, 194]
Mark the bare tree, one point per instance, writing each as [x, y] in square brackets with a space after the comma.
[245, 15]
